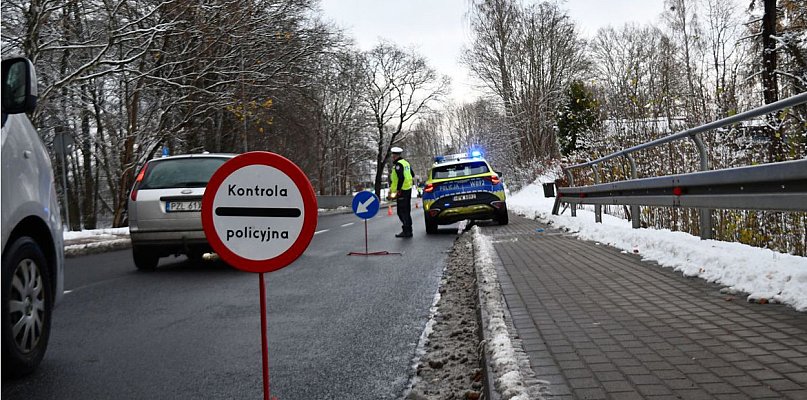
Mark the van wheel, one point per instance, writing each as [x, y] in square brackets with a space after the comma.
[144, 259]
[27, 305]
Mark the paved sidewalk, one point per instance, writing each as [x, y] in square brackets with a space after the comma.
[600, 324]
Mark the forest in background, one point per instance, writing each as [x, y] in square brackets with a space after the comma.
[120, 80]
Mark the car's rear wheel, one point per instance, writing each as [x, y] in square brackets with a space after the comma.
[431, 226]
[144, 259]
[502, 217]
[27, 304]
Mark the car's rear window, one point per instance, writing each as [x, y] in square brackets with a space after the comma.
[180, 173]
[459, 170]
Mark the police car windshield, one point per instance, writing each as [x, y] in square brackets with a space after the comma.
[459, 170]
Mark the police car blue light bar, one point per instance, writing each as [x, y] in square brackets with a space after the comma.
[458, 156]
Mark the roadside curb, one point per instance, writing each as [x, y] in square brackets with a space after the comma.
[508, 374]
[484, 338]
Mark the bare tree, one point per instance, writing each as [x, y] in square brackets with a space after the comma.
[399, 87]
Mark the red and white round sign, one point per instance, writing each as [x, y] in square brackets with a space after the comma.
[259, 212]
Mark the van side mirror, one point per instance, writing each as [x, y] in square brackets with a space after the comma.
[499, 173]
[19, 91]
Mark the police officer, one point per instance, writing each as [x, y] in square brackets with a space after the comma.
[401, 190]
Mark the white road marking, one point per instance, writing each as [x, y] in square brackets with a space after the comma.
[322, 231]
[68, 291]
[347, 224]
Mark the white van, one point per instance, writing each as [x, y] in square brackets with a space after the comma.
[33, 249]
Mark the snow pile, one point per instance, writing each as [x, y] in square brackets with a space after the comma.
[95, 233]
[500, 350]
[762, 273]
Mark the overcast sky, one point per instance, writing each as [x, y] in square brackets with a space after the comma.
[438, 28]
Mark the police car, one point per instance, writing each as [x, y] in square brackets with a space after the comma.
[462, 186]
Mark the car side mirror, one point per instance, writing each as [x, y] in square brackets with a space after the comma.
[499, 173]
[19, 90]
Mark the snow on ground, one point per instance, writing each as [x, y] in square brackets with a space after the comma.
[762, 273]
[95, 233]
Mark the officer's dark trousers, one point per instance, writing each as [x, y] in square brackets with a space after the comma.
[404, 205]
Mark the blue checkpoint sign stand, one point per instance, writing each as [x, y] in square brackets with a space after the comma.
[365, 206]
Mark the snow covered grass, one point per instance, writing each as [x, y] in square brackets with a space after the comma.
[500, 349]
[762, 273]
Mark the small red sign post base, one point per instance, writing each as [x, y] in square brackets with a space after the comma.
[375, 253]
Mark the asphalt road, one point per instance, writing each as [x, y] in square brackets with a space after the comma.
[340, 327]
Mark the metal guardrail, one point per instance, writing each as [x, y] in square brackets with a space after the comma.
[780, 186]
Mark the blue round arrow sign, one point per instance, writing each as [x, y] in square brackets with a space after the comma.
[365, 204]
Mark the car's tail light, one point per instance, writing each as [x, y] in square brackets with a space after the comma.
[494, 179]
[137, 181]
[429, 188]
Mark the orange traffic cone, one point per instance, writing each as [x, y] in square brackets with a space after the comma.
[389, 210]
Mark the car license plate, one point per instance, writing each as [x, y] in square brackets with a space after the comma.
[464, 197]
[179, 206]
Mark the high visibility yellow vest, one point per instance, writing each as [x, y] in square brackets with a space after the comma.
[407, 173]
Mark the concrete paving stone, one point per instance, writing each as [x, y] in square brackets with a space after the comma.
[799, 361]
[680, 361]
[625, 362]
[616, 386]
[732, 396]
[570, 364]
[741, 381]
[677, 384]
[545, 371]
[765, 374]
[712, 363]
[788, 353]
[798, 377]
[693, 394]
[718, 388]
[637, 370]
[589, 394]
[602, 367]
[769, 359]
[748, 365]
[760, 392]
[781, 385]
[583, 383]
[657, 366]
[727, 371]
[704, 378]
[565, 356]
[800, 394]
[540, 359]
[669, 374]
[647, 358]
[578, 373]
[654, 390]
[644, 379]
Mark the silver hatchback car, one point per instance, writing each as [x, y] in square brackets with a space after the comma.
[165, 207]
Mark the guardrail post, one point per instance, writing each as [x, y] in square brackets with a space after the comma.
[597, 207]
[705, 214]
[634, 210]
[572, 206]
